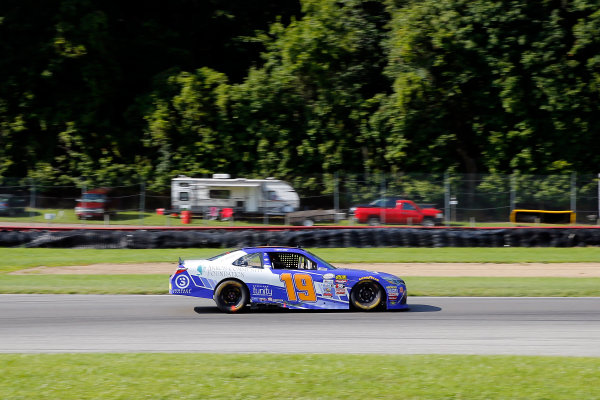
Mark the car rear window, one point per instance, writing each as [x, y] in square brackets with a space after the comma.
[219, 255]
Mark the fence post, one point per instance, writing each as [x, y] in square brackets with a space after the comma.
[336, 194]
[513, 191]
[383, 193]
[263, 190]
[31, 198]
[574, 192]
[142, 200]
[447, 197]
[349, 198]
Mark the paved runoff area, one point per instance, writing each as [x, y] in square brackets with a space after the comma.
[434, 325]
[163, 323]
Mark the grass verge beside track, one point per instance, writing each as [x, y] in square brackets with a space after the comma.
[265, 376]
[19, 258]
[12, 259]
[417, 286]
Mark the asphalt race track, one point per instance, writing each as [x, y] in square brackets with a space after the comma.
[106, 323]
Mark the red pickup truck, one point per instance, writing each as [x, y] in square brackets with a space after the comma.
[396, 211]
[94, 203]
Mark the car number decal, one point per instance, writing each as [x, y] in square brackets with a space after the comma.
[299, 284]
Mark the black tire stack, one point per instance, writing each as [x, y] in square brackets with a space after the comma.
[355, 237]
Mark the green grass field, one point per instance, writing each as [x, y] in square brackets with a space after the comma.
[149, 218]
[268, 376]
[20, 258]
[67, 216]
[12, 259]
[303, 376]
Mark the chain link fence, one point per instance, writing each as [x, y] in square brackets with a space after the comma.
[465, 199]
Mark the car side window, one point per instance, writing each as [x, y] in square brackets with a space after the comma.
[408, 206]
[306, 263]
[291, 261]
[276, 261]
[253, 260]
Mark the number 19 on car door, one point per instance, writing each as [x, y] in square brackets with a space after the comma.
[299, 287]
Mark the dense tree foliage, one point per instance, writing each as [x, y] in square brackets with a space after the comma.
[110, 92]
[497, 85]
[76, 75]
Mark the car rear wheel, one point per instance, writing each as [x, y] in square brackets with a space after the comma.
[366, 295]
[373, 221]
[231, 296]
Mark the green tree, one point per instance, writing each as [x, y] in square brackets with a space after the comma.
[307, 104]
[494, 86]
[76, 75]
[187, 129]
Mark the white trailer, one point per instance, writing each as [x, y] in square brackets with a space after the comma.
[245, 196]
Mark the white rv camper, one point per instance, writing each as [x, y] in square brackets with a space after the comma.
[244, 196]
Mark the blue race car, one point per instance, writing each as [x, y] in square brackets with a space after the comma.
[287, 277]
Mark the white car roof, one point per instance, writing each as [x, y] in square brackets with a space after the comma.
[227, 258]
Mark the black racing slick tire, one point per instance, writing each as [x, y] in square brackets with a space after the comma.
[231, 296]
[366, 295]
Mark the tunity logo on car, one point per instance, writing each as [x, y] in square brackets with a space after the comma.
[262, 290]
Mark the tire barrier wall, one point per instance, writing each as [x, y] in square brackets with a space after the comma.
[376, 237]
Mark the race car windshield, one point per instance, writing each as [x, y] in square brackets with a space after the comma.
[321, 261]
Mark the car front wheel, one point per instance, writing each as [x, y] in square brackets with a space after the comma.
[308, 222]
[231, 296]
[428, 222]
[366, 295]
